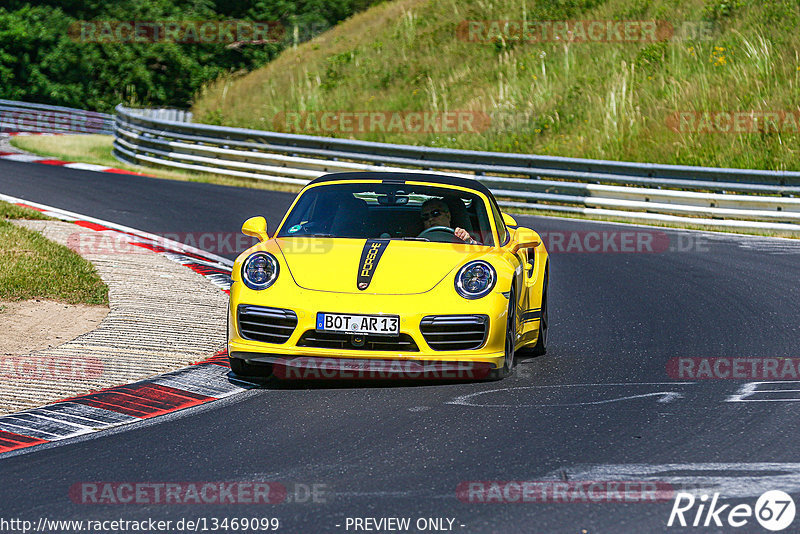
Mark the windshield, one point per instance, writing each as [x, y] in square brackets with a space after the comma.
[390, 211]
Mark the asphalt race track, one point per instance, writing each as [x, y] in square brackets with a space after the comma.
[600, 406]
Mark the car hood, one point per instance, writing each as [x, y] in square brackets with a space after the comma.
[396, 267]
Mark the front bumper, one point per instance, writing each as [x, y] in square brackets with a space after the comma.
[410, 308]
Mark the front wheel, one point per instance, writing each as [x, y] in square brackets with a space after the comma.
[511, 339]
[541, 344]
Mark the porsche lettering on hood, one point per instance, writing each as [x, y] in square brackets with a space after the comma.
[342, 265]
[370, 256]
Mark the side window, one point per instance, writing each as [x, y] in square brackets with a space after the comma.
[480, 222]
[502, 232]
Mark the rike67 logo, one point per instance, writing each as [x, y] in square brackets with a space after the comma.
[774, 510]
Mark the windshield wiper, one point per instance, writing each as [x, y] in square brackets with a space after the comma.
[306, 235]
[413, 238]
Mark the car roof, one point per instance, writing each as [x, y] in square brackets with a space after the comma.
[466, 183]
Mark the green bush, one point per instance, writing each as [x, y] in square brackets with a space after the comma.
[41, 62]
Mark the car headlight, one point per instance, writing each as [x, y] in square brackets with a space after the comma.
[260, 270]
[475, 279]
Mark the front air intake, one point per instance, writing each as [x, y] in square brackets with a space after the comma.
[454, 332]
[269, 325]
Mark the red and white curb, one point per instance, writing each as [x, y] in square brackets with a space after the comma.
[32, 158]
[216, 268]
[200, 383]
[13, 134]
[197, 384]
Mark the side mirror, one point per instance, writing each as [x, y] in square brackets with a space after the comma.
[256, 227]
[509, 220]
[525, 238]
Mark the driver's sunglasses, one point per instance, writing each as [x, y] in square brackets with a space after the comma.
[431, 214]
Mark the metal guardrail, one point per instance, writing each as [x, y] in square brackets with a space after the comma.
[732, 198]
[41, 118]
[164, 114]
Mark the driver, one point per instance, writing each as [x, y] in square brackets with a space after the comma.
[434, 212]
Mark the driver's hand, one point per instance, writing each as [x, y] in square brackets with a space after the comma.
[463, 235]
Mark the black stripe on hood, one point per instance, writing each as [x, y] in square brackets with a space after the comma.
[370, 256]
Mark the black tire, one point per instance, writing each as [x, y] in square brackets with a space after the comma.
[540, 349]
[242, 368]
[511, 338]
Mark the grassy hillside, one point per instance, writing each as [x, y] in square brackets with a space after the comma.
[605, 100]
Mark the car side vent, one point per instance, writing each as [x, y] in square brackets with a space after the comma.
[269, 325]
[454, 332]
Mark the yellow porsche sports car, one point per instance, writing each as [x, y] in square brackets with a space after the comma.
[380, 274]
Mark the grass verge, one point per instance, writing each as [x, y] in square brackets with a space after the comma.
[35, 267]
[96, 149]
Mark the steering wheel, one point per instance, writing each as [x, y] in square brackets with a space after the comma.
[443, 234]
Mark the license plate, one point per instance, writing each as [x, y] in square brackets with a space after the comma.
[386, 325]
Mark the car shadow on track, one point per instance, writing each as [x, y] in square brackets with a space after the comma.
[324, 379]
[272, 382]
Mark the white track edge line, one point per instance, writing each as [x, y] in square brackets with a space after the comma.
[158, 239]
